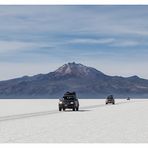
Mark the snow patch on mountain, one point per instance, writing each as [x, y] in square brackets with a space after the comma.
[77, 69]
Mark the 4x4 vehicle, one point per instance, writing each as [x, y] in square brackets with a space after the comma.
[69, 100]
[128, 98]
[110, 99]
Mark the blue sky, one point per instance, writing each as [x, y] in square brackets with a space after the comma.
[39, 39]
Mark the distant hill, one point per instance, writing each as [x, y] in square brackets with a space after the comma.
[86, 81]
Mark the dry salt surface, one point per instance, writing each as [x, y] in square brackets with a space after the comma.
[39, 121]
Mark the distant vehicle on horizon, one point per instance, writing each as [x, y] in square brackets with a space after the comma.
[110, 100]
[70, 101]
[128, 98]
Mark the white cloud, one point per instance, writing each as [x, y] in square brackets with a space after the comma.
[92, 41]
[125, 43]
[8, 46]
[107, 41]
[18, 46]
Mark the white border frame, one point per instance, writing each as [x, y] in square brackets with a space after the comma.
[73, 2]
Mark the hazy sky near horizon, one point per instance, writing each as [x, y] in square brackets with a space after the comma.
[39, 39]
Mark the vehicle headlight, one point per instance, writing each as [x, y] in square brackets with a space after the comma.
[60, 102]
[71, 102]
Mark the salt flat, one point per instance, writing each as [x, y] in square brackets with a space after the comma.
[39, 121]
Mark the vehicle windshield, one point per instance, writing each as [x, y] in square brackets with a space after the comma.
[110, 97]
[69, 98]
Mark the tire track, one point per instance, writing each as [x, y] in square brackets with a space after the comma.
[28, 115]
[51, 112]
[35, 114]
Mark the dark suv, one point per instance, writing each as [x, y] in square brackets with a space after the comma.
[69, 100]
[110, 99]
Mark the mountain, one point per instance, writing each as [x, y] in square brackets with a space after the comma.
[86, 81]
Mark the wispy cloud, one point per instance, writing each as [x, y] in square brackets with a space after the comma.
[125, 43]
[92, 41]
[12, 46]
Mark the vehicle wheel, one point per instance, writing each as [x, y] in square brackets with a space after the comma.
[73, 109]
[60, 108]
[63, 109]
[77, 108]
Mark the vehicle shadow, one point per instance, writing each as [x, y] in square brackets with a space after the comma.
[93, 106]
[81, 110]
[84, 110]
